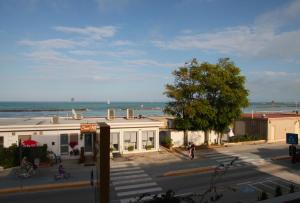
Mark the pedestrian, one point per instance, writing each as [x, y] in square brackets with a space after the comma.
[192, 151]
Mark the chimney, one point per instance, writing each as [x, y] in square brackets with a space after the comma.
[130, 114]
[111, 113]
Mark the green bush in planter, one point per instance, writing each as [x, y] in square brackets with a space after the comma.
[167, 142]
[130, 148]
[148, 147]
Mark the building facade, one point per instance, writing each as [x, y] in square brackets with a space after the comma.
[66, 136]
[269, 126]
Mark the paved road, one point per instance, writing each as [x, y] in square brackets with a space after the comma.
[254, 172]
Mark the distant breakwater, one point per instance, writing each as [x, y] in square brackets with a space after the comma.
[39, 110]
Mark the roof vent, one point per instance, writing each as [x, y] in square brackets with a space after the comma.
[111, 113]
[130, 114]
[55, 120]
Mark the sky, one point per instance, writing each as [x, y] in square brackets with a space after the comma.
[126, 50]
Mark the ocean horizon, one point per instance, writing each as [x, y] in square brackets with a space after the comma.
[95, 109]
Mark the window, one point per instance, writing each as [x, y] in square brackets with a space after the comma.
[64, 144]
[24, 137]
[74, 137]
[114, 141]
[1, 141]
[130, 140]
[148, 139]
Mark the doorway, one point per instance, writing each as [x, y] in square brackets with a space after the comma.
[89, 142]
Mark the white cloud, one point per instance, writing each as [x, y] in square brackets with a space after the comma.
[273, 74]
[280, 16]
[51, 43]
[262, 39]
[117, 53]
[122, 43]
[96, 33]
[149, 62]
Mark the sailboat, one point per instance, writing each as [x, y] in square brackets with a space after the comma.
[108, 102]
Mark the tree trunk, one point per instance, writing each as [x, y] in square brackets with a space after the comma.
[185, 137]
[206, 138]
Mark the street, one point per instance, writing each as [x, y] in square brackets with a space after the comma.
[252, 173]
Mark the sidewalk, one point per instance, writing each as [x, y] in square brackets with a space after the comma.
[45, 176]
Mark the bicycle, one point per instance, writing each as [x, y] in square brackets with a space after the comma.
[25, 172]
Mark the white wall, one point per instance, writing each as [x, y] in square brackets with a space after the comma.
[197, 137]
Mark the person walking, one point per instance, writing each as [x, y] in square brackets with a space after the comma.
[192, 151]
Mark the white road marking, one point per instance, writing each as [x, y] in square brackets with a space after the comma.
[126, 172]
[128, 177]
[124, 169]
[136, 192]
[125, 187]
[131, 181]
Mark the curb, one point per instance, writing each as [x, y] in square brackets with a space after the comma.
[36, 188]
[275, 158]
[245, 143]
[189, 171]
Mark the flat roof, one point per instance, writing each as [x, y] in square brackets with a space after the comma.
[268, 115]
[69, 120]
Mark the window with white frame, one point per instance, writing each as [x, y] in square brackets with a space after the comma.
[114, 141]
[148, 139]
[1, 141]
[64, 144]
[130, 140]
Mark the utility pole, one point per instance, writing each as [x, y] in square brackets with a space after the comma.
[103, 161]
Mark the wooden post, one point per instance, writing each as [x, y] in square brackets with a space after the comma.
[104, 164]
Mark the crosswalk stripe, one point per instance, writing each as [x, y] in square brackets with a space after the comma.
[125, 187]
[122, 165]
[126, 172]
[124, 169]
[121, 182]
[136, 192]
[128, 177]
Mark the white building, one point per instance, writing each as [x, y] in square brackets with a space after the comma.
[127, 135]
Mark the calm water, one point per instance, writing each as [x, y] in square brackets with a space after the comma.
[29, 109]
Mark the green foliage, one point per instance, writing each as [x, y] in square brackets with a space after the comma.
[206, 96]
[244, 138]
[10, 157]
[263, 196]
[166, 141]
[148, 147]
[130, 148]
[278, 191]
[292, 188]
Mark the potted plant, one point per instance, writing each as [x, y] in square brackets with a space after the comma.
[130, 148]
[148, 147]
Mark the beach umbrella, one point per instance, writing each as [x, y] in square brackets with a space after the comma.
[29, 143]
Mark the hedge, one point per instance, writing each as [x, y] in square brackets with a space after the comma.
[10, 157]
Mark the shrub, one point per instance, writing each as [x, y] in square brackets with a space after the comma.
[244, 138]
[292, 188]
[263, 196]
[10, 157]
[278, 191]
[148, 147]
[167, 142]
[130, 148]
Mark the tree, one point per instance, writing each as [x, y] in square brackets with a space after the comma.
[206, 96]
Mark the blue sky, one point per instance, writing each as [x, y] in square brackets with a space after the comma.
[126, 50]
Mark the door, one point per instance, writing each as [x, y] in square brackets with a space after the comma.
[88, 142]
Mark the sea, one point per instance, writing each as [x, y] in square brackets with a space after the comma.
[99, 109]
